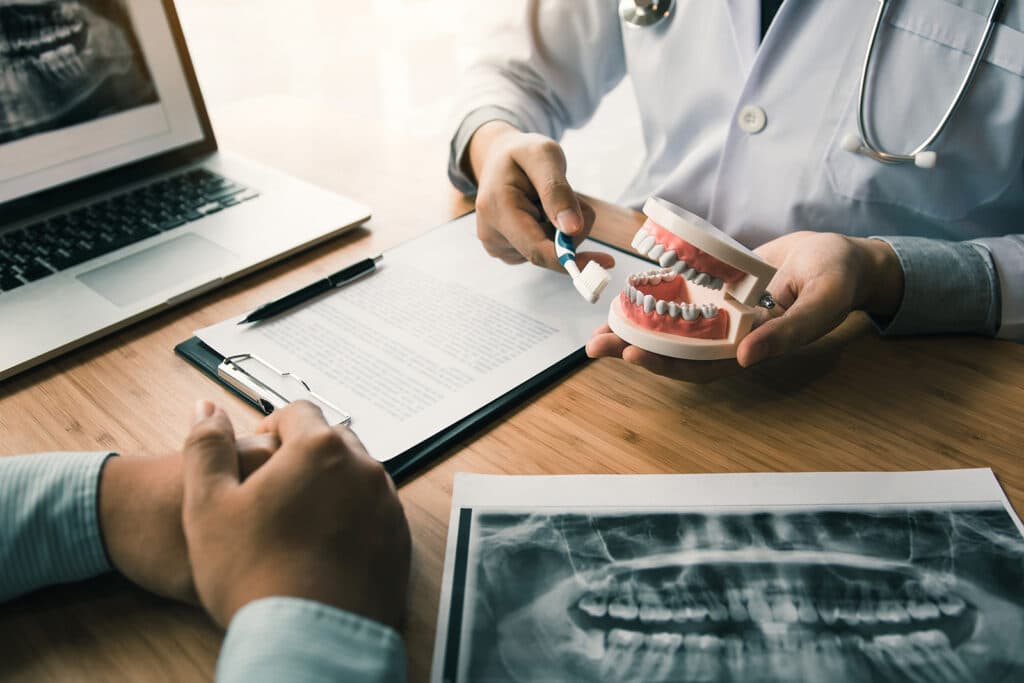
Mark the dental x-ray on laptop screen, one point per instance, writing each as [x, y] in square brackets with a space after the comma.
[114, 199]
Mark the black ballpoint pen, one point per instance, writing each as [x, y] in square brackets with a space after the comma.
[342, 277]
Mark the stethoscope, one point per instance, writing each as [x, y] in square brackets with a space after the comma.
[650, 12]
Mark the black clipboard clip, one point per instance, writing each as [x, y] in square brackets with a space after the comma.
[270, 388]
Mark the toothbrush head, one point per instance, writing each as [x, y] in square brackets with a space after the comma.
[592, 281]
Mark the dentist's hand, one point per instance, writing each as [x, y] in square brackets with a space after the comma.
[515, 171]
[320, 520]
[821, 278]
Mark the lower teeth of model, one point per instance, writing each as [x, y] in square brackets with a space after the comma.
[686, 311]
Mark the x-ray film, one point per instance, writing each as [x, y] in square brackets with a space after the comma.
[834, 577]
[67, 62]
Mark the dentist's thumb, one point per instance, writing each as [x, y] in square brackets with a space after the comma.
[545, 166]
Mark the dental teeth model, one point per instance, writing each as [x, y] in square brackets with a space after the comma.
[701, 301]
[589, 283]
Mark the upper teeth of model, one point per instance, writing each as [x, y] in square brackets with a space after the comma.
[647, 245]
[673, 309]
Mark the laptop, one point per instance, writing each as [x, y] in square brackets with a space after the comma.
[115, 202]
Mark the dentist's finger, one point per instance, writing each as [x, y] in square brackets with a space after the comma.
[821, 306]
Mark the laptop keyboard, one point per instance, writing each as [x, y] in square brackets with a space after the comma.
[66, 240]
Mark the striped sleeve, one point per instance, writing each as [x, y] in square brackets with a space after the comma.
[301, 641]
[49, 524]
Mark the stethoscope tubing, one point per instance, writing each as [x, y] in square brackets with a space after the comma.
[869, 146]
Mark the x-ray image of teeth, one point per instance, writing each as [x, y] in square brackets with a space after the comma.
[891, 594]
[64, 62]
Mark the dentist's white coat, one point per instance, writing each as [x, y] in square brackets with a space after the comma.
[694, 74]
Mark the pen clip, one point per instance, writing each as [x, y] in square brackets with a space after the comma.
[269, 398]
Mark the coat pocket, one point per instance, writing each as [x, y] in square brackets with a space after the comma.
[923, 50]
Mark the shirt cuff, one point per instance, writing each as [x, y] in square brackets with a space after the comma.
[460, 143]
[948, 287]
[297, 640]
[50, 531]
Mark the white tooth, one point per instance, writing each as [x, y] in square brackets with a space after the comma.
[679, 267]
[709, 310]
[951, 605]
[654, 279]
[923, 610]
[892, 612]
[593, 644]
[668, 258]
[784, 610]
[638, 297]
[654, 612]
[639, 237]
[807, 613]
[716, 608]
[594, 605]
[646, 244]
[656, 252]
[673, 309]
[716, 283]
[690, 273]
[623, 606]
[759, 609]
[702, 279]
[736, 609]
[828, 613]
[631, 292]
[867, 614]
[669, 642]
[643, 278]
[661, 306]
[648, 303]
[629, 640]
[668, 276]
[689, 311]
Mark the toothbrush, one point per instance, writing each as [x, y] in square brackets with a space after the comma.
[589, 283]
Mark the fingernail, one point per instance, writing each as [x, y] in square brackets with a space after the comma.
[569, 222]
[203, 410]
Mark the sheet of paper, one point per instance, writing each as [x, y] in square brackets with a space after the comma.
[439, 331]
[735, 577]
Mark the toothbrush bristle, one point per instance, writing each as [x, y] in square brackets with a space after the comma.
[592, 281]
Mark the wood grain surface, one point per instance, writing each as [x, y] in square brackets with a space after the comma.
[852, 401]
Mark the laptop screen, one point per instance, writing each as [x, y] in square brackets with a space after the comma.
[87, 86]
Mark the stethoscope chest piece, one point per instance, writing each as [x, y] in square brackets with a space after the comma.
[641, 13]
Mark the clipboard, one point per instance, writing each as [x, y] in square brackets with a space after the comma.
[208, 361]
[236, 372]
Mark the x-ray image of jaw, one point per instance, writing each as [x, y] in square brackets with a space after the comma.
[64, 62]
[894, 595]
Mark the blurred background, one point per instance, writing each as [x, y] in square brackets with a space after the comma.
[383, 71]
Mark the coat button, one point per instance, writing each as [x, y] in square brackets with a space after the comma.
[752, 119]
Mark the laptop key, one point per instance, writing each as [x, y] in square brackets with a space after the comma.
[9, 282]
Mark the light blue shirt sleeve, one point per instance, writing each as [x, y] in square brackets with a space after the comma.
[49, 524]
[948, 287]
[301, 641]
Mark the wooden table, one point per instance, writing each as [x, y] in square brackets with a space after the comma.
[849, 402]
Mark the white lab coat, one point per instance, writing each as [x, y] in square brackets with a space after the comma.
[694, 74]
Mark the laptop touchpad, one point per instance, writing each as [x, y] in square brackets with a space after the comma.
[173, 263]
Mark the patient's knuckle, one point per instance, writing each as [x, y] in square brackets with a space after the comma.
[323, 440]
